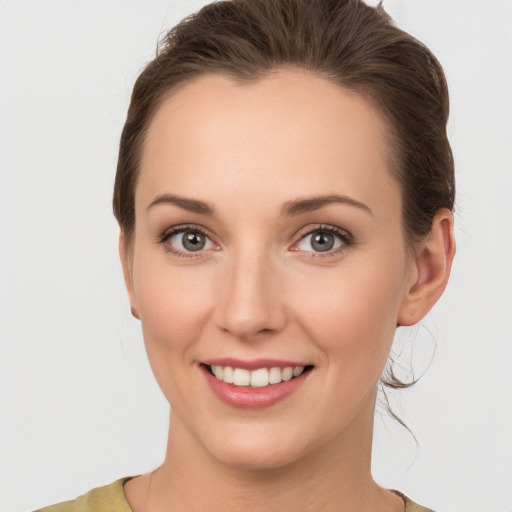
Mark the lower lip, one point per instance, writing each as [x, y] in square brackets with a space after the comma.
[244, 397]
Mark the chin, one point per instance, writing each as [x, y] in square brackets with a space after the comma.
[254, 459]
[257, 450]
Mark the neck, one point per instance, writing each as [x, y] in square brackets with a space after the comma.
[335, 477]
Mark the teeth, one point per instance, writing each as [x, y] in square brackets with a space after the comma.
[298, 371]
[274, 375]
[259, 378]
[287, 373]
[218, 371]
[241, 377]
[228, 375]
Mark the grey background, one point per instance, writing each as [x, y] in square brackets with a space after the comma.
[79, 407]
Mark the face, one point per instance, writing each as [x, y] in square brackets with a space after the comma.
[268, 244]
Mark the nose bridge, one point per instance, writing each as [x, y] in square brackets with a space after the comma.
[249, 301]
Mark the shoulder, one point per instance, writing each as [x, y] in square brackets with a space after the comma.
[109, 498]
[410, 506]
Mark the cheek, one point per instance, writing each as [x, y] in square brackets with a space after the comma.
[351, 315]
[173, 304]
[173, 308]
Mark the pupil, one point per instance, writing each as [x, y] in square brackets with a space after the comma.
[322, 242]
[193, 241]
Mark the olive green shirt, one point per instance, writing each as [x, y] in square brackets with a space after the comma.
[110, 498]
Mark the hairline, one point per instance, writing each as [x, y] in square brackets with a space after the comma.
[391, 138]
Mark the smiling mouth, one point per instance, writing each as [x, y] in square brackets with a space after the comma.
[258, 378]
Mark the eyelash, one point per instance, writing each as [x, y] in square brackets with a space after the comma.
[346, 239]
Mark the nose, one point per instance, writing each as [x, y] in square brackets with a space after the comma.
[250, 297]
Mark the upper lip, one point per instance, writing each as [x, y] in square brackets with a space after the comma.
[253, 364]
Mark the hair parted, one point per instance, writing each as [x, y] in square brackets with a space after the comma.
[345, 41]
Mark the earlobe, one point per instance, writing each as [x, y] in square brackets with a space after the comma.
[126, 263]
[433, 261]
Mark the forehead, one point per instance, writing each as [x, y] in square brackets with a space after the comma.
[288, 132]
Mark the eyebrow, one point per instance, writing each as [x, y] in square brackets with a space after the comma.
[310, 204]
[191, 205]
[290, 208]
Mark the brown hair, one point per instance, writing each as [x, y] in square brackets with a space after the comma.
[345, 41]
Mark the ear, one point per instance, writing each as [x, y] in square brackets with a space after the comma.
[432, 266]
[126, 257]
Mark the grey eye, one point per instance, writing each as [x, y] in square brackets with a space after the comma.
[190, 241]
[320, 241]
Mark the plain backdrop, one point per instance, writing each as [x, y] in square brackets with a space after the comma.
[79, 407]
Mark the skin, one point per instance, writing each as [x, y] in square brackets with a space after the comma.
[259, 289]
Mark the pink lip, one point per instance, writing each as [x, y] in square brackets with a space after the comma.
[244, 397]
[252, 365]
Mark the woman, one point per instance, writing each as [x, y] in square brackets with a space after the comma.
[284, 192]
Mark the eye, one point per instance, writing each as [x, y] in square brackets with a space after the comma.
[186, 239]
[319, 241]
[323, 239]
